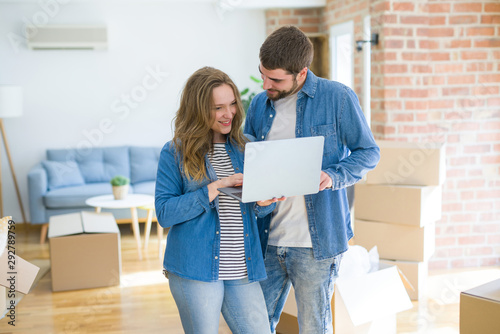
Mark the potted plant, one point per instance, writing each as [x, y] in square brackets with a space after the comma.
[120, 186]
[247, 95]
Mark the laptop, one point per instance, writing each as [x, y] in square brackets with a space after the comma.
[276, 168]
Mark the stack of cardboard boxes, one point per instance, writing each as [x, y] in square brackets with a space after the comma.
[398, 205]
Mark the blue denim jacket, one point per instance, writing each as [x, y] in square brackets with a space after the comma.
[193, 241]
[330, 109]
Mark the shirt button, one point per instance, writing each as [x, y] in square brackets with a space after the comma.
[216, 232]
[249, 258]
[262, 137]
[271, 116]
[244, 212]
[265, 231]
[216, 257]
[246, 235]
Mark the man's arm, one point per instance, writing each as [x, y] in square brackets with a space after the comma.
[355, 134]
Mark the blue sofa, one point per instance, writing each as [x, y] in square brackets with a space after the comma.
[61, 183]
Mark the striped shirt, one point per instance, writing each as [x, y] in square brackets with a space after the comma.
[232, 264]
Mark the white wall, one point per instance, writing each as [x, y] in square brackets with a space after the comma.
[68, 94]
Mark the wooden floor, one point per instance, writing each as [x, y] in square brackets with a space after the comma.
[143, 303]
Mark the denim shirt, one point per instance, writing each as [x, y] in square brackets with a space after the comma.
[193, 241]
[329, 109]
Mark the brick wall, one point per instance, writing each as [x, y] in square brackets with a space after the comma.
[436, 77]
[306, 19]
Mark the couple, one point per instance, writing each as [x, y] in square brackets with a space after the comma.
[214, 259]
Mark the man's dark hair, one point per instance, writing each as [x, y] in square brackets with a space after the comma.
[287, 48]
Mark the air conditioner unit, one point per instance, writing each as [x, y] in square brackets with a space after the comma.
[67, 37]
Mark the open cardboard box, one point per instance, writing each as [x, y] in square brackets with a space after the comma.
[416, 273]
[84, 251]
[16, 274]
[480, 309]
[363, 304]
[14, 281]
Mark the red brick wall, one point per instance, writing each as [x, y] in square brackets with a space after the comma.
[308, 19]
[436, 77]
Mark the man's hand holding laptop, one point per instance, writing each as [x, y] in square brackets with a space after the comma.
[271, 201]
[325, 181]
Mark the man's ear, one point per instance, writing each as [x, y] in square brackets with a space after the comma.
[302, 74]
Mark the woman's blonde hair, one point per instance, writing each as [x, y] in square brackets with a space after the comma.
[193, 136]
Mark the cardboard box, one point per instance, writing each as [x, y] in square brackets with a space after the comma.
[419, 164]
[24, 273]
[408, 205]
[84, 251]
[396, 241]
[363, 304]
[20, 278]
[480, 309]
[416, 273]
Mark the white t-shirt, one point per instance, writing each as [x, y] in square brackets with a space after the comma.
[289, 225]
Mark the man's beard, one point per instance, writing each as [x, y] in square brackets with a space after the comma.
[283, 93]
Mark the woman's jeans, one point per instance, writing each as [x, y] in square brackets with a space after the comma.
[200, 304]
[312, 281]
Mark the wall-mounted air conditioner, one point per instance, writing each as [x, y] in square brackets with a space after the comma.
[67, 37]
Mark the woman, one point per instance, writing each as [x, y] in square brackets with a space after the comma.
[213, 257]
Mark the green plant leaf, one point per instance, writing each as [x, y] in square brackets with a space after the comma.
[257, 80]
[119, 180]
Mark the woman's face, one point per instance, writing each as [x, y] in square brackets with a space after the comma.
[223, 111]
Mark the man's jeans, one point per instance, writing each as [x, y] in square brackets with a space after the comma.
[200, 304]
[313, 283]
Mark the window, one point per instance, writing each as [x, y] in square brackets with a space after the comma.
[342, 47]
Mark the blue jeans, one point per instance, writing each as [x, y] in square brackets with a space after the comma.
[200, 304]
[313, 283]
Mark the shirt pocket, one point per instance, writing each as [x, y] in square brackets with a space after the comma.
[327, 131]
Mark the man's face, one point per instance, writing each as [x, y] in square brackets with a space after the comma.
[278, 83]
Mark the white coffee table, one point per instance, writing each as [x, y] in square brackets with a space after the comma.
[132, 202]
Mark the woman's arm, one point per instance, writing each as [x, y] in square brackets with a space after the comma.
[173, 206]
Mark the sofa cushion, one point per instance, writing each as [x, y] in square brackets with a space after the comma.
[143, 163]
[75, 197]
[147, 188]
[62, 174]
[96, 164]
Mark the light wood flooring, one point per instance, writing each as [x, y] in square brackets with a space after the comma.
[143, 303]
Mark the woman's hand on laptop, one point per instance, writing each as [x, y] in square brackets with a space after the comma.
[271, 201]
[230, 181]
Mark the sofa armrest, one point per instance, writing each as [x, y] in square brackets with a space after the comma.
[37, 188]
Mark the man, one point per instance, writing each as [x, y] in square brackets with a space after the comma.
[305, 236]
